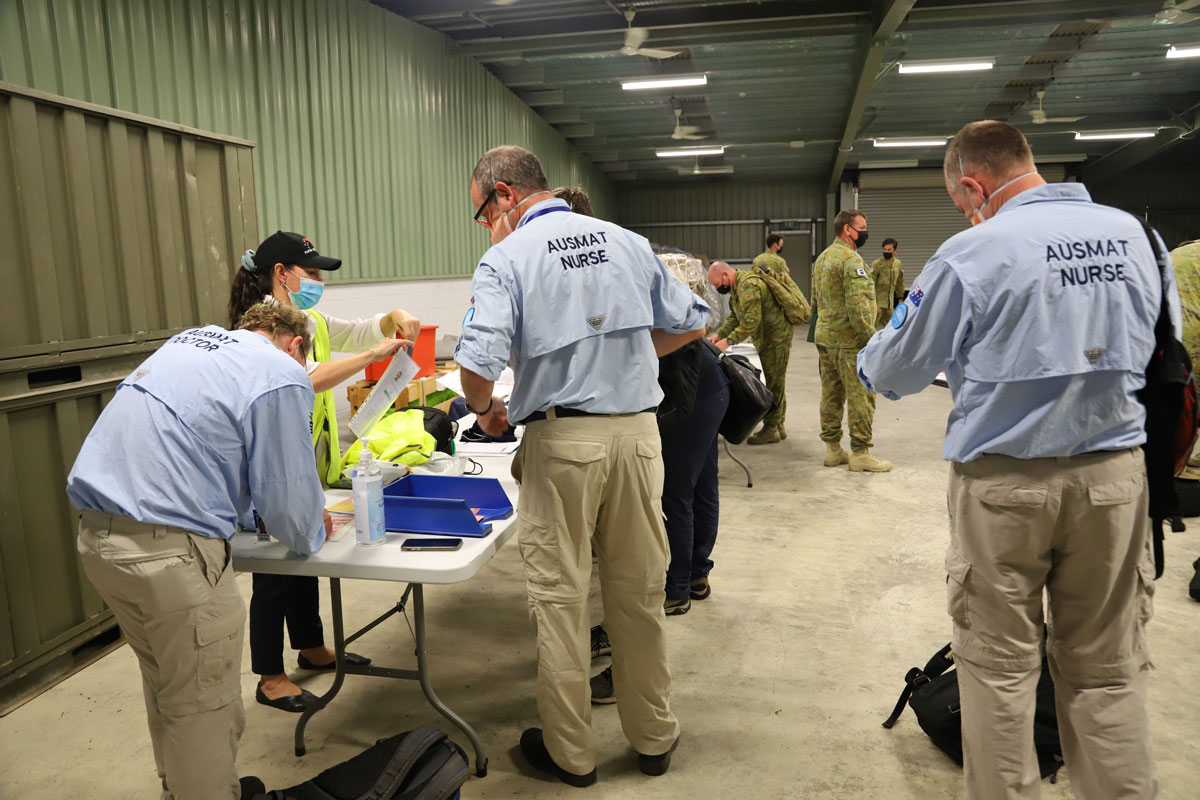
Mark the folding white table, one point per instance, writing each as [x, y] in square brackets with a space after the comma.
[386, 562]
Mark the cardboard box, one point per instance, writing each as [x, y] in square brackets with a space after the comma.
[357, 393]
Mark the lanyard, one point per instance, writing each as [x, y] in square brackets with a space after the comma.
[525, 220]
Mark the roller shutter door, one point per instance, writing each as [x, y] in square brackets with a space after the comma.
[912, 207]
[920, 219]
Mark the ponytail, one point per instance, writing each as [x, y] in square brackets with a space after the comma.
[250, 286]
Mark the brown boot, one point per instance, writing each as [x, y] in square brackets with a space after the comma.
[835, 456]
[765, 436]
[782, 431]
[863, 461]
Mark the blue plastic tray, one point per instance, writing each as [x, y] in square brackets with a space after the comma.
[441, 505]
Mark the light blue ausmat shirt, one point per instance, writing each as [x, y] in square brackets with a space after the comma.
[571, 301]
[1043, 320]
[213, 422]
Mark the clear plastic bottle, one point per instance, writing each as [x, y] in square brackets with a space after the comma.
[367, 486]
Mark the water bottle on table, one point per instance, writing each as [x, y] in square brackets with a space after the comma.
[367, 487]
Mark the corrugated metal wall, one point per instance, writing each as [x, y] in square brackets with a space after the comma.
[717, 201]
[1170, 202]
[644, 209]
[119, 231]
[367, 124]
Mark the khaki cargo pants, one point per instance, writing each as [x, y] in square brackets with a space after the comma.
[1078, 528]
[174, 596]
[595, 484]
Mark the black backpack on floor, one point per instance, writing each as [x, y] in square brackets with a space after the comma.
[419, 765]
[933, 694]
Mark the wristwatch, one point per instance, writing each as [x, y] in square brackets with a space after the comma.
[480, 413]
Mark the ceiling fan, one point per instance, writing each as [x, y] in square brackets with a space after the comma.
[686, 131]
[636, 37]
[1177, 12]
[1040, 118]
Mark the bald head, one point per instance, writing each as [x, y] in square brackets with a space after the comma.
[721, 274]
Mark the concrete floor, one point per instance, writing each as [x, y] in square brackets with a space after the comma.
[828, 587]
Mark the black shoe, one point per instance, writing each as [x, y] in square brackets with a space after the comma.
[352, 659]
[600, 644]
[535, 752]
[657, 765]
[700, 588]
[1194, 586]
[603, 691]
[252, 787]
[295, 703]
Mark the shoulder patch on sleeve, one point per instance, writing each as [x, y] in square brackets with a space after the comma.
[860, 272]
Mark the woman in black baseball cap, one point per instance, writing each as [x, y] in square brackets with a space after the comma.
[286, 268]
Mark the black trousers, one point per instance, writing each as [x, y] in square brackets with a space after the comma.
[276, 598]
[691, 495]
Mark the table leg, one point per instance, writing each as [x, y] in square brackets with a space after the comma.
[339, 648]
[426, 687]
[738, 461]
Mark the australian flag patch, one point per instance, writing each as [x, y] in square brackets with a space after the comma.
[916, 295]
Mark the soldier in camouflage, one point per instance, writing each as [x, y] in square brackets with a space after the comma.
[888, 273]
[1186, 261]
[772, 259]
[845, 294]
[755, 314]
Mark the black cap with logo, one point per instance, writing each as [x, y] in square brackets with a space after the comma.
[287, 248]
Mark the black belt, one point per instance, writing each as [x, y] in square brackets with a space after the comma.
[560, 411]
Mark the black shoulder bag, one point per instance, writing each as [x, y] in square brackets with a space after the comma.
[1171, 415]
[749, 398]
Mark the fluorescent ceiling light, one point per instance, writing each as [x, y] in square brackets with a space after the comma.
[899, 164]
[683, 152]
[1090, 136]
[911, 142]
[665, 82]
[1186, 52]
[946, 65]
[1068, 158]
[704, 170]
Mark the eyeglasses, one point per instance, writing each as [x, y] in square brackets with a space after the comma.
[491, 195]
[482, 206]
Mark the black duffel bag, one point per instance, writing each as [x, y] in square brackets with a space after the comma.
[418, 765]
[932, 693]
[749, 398]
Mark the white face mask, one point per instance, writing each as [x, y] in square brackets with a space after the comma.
[977, 213]
[498, 235]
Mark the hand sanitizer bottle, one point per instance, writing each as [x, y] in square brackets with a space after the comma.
[367, 485]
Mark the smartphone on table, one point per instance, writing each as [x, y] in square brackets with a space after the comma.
[440, 543]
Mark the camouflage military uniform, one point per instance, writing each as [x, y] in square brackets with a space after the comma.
[1186, 261]
[754, 313]
[772, 262]
[845, 294]
[889, 287]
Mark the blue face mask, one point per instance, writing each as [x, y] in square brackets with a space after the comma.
[309, 294]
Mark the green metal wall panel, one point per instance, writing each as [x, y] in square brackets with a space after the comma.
[367, 124]
[119, 228]
[718, 200]
[46, 601]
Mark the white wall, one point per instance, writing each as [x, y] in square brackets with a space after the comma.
[436, 302]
